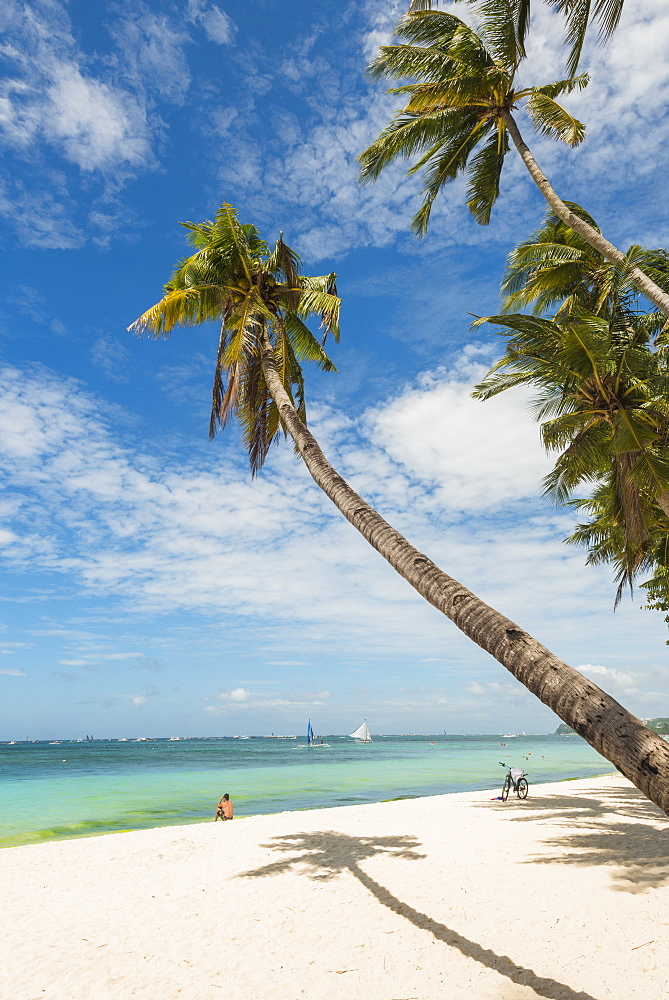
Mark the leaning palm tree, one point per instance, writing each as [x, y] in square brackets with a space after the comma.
[459, 117]
[261, 302]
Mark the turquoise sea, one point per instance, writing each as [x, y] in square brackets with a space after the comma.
[73, 789]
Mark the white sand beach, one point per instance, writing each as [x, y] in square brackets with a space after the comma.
[564, 896]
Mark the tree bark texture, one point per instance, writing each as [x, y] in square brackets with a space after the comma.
[636, 751]
[645, 285]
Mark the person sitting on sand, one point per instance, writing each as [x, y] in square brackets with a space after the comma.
[224, 809]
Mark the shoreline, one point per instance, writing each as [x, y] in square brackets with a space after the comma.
[203, 821]
[561, 896]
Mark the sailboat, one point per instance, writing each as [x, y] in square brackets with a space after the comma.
[362, 735]
[311, 743]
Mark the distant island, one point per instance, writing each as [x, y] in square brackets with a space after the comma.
[660, 726]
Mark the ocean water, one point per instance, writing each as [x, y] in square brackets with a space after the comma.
[50, 791]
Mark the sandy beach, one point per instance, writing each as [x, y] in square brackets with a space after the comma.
[564, 896]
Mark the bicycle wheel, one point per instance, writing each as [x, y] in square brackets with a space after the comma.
[523, 788]
[506, 788]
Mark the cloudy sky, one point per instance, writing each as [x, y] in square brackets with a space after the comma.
[149, 586]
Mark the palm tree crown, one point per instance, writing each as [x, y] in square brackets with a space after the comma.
[579, 15]
[459, 119]
[457, 115]
[260, 298]
[602, 392]
[557, 267]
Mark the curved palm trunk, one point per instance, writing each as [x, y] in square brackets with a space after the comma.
[652, 291]
[636, 751]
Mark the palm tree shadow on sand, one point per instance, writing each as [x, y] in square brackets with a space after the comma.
[325, 855]
[617, 827]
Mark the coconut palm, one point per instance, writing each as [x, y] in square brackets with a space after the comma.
[459, 116]
[556, 269]
[603, 397]
[261, 302]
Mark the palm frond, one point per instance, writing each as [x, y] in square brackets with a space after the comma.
[444, 165]
[484, 171]
[181, 307]
[578, 17]
[431, 28]
[550, 118]
[567, 86]
[503, 24]
[406, 134]
[305, 346]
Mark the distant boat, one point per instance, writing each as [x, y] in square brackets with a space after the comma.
[362, 734]
[313, 742]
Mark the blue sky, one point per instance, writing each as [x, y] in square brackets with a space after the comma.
[149, 586]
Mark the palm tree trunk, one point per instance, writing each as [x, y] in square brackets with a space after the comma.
[636, 529]
[632, 748]
[645, 285]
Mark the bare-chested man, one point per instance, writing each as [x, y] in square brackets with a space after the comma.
[224, 809]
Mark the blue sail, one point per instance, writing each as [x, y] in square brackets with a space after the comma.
[310, 734]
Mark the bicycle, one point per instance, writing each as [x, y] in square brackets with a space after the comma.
[516, 779]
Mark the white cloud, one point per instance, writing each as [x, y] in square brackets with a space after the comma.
[237, 695]
[13, 673]
[41, 215]
[218, 26]
[618, 680]
[478, 455]
[475, 688]
[153, 52]
[110, 355]
[53, 99]
[241, 698]
[96, 126]
[157, 534]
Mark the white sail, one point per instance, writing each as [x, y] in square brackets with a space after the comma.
[362, 734]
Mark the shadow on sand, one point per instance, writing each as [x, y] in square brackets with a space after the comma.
[619, 827]
[325, 855]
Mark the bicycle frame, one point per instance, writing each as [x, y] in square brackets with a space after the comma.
[519, 784]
